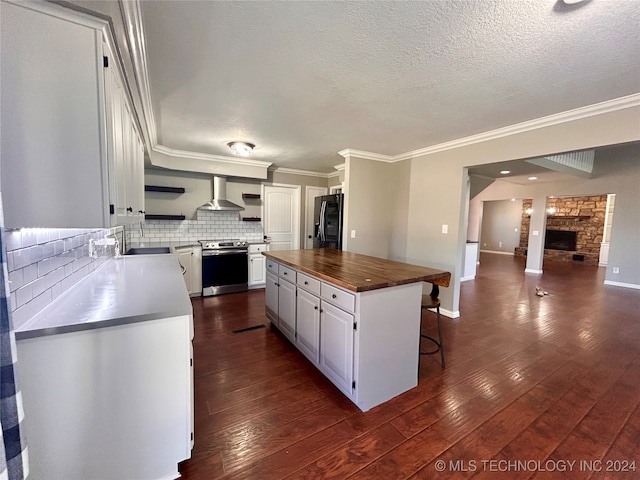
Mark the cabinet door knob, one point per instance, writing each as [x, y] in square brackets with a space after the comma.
[285, 273]
[306, 283]
[315, 308]
[334, 296]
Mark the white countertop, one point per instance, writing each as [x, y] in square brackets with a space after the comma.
[121, 291]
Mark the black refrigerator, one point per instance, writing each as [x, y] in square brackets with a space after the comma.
[328, 221]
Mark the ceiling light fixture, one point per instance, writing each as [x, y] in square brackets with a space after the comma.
[243, 149]
[505, 172]
[533, 178]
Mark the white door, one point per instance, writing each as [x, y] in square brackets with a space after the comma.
[310, 195]
[282, 216]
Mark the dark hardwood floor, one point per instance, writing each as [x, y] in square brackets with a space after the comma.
[531, 385]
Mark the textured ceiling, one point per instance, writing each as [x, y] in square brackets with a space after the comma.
[304, 80]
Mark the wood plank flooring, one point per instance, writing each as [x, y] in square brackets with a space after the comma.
[531, 385]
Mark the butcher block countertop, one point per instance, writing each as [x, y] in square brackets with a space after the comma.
[355, 272]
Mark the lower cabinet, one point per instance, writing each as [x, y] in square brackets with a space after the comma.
[271, 298]
[257, 265]
[109, 403]
[308, 325]
[190, 258]
[365, 343]
[336, 346]
[287, 308]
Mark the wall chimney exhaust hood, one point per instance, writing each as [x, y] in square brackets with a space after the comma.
[219, 201]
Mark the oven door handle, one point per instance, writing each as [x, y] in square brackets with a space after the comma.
[209, 253]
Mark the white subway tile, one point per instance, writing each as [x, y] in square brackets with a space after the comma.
[16, 280]
[28, 237]
[21, 258]
[38, 286]
[23, 295]
[30, 273]
[49, 249]
[14, 240]
[10, 261]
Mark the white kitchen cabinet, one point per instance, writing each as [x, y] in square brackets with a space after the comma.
[336, 346]
[257, 265]
[56, 137]
[308, 325]
[125, 150]
[190, 258]
[366, 343]
[280, 298]
[271, 297]
[109, 403]
[287, 308]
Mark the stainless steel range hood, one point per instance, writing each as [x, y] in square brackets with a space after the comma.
[219, 201]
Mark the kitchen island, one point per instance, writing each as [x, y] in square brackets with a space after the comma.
[106, 376]
[355, 317]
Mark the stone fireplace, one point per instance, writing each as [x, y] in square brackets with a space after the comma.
[578, 217]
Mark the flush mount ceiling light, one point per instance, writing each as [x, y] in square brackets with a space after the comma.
[242, 149]
[533, 178]
[505, 172]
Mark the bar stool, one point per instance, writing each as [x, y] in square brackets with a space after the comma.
[431, 302]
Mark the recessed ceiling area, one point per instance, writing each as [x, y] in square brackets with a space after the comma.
[520, 171]
[305, 80]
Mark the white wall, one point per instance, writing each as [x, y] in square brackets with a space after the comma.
[501, 221]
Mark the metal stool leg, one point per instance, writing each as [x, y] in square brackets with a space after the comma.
[437, 343]
[441, 346]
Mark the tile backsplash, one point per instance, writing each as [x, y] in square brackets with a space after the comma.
[45, 262]
[210, 225]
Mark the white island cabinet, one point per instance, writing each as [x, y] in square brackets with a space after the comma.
[71, 152]
[356, 318]
[106, 375]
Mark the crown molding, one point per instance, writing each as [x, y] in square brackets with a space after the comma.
[601, 108]
[294, 171]
[378, 157]
[333, 174]
[63, 12]
[340, 167]
[542, 122]
[214, 158]
[132, 18]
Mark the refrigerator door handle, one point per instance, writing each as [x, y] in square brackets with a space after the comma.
[323, 209]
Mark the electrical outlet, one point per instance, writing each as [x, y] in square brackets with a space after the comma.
[445, 228]
[499, 244]
[536, 233]
[616, 270]
[353, 234]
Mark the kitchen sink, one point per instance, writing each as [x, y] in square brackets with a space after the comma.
[147, 250]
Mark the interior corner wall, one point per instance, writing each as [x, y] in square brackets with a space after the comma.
[374, 194]
[438, 179]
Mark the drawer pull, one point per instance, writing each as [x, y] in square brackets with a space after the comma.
[306, 283]
[334, 296]
[285, 273]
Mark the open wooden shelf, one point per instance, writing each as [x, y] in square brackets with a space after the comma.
[156, 188]
[255, 196]
[164, 217]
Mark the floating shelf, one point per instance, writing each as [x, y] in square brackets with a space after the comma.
[251, 219]
[164, 217]
[156, 188]
[251, 195]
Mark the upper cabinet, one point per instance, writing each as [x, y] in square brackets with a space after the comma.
[71, 154]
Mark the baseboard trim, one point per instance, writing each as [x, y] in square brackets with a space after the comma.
[466, 279]
[497, 252]
[449, 313]
[622, 284]
[531, 270]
